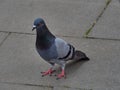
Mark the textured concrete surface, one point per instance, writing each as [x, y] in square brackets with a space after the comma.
[68, 88]
[20, 65]
[68, 16]
[109, 24]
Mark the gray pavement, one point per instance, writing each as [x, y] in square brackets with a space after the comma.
[20, 65]
[108, 26]
[68, 16]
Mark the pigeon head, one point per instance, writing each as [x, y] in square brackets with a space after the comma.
[38, 24]
[41, 29]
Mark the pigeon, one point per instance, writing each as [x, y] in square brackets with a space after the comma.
[54, 50]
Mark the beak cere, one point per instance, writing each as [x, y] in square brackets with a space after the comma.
[34, 27]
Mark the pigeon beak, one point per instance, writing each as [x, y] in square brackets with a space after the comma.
[34, 27]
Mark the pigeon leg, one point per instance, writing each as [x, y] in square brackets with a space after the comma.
[62, 74]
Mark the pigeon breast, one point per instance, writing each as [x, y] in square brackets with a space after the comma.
[48, 54]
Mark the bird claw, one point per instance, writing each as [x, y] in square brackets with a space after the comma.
[61, 75]
[49, 72]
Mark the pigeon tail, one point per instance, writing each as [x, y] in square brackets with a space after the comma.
[80, 56]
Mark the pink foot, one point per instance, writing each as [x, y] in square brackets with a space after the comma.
[48, 72]
[61, 75]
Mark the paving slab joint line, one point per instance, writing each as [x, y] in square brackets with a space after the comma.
[97, 19]
[27, 84]
[35, 34]
[103, 38]
[5, 38]
[48, 86]
[18, 32]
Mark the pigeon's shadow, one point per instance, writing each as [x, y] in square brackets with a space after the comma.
[73, 66]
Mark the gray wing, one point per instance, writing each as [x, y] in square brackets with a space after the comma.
[65, 51]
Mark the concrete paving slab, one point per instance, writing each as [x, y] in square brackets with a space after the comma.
[21, 87]
[2, 37]
[108, 25]
[62, 16]
[20, 63]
